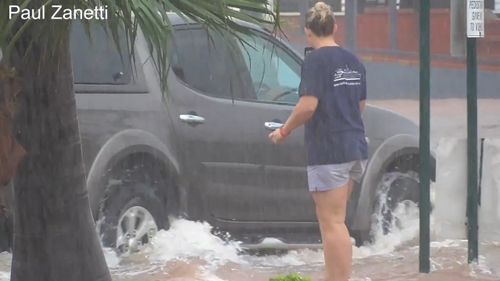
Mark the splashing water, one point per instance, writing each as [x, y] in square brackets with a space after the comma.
[187, 239]
[189, 251]
[189, 243]
[402, 228]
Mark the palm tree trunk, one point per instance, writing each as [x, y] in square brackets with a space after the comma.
[54, 233]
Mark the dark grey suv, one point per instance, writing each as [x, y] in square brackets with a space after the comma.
[202, 150]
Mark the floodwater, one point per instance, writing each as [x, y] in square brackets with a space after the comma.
[189, 251]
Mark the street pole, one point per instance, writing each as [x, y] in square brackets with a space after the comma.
[458, 29]
[351, 21]
[393, 24]
[472, 146]
[303, 8]
[425, 61]
[475, 29]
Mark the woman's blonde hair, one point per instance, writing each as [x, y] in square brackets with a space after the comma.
[320, 20]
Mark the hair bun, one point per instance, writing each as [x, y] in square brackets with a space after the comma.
[320, 19]
[322, 7]
[322, 11]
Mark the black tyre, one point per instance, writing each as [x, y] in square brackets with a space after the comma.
[394, 188]
[130, 216]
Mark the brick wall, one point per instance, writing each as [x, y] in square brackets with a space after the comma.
[373, 32]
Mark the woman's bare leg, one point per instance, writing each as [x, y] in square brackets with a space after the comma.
[331, 213]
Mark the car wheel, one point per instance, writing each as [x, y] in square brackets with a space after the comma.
[395, 189]
[131, 215]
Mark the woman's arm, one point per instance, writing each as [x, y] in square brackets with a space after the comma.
[303, 111]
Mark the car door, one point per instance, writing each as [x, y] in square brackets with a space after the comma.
[274, 71]
[219, 162]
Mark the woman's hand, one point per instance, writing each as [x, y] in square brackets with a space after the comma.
[278, 136]
[304, 110]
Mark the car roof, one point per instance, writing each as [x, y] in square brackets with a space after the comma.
[177, 20]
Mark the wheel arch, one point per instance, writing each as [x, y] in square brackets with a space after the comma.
[122, 145]
[392, 149]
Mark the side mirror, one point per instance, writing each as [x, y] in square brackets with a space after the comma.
[307, 50]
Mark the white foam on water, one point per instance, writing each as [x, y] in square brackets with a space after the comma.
[5, 263]
[193, 240]
[388, 243]
[451, 190]
[112, 259]
[489, 211]
[135, 270]
[404, 227]
[480, 268]
[299, 257]
[207, 275]
[271, 241]
[448, 243]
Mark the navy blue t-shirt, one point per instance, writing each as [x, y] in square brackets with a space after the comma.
[335, 134]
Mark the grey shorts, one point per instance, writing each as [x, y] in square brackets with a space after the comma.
[328, 177]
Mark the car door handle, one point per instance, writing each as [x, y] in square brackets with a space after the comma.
[271, 126]
[192, 119]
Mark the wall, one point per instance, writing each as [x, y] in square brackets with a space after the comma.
[373, 32]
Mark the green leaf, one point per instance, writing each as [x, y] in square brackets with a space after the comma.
[291, 277]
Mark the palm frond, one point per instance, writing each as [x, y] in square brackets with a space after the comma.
[223, 16]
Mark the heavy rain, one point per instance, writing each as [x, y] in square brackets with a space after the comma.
[137, 146]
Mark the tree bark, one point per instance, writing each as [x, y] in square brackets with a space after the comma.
[54, 232]
[11, 153]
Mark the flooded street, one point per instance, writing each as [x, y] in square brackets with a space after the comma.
[204, 257]
[189, 251]
[374, 262]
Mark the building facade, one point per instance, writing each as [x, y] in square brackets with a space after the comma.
[391, 27]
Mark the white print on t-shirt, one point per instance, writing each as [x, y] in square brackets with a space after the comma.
[346, 76]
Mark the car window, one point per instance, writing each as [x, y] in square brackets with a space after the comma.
[204, 62]
[275, 73]
[96, 60]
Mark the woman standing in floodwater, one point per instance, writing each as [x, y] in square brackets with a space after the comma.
[332, 99]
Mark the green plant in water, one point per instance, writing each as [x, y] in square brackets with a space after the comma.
[291, 277]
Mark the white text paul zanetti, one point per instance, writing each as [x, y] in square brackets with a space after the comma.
[58, 12]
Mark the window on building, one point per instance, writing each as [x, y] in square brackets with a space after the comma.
[375, 3]
[385, 3]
